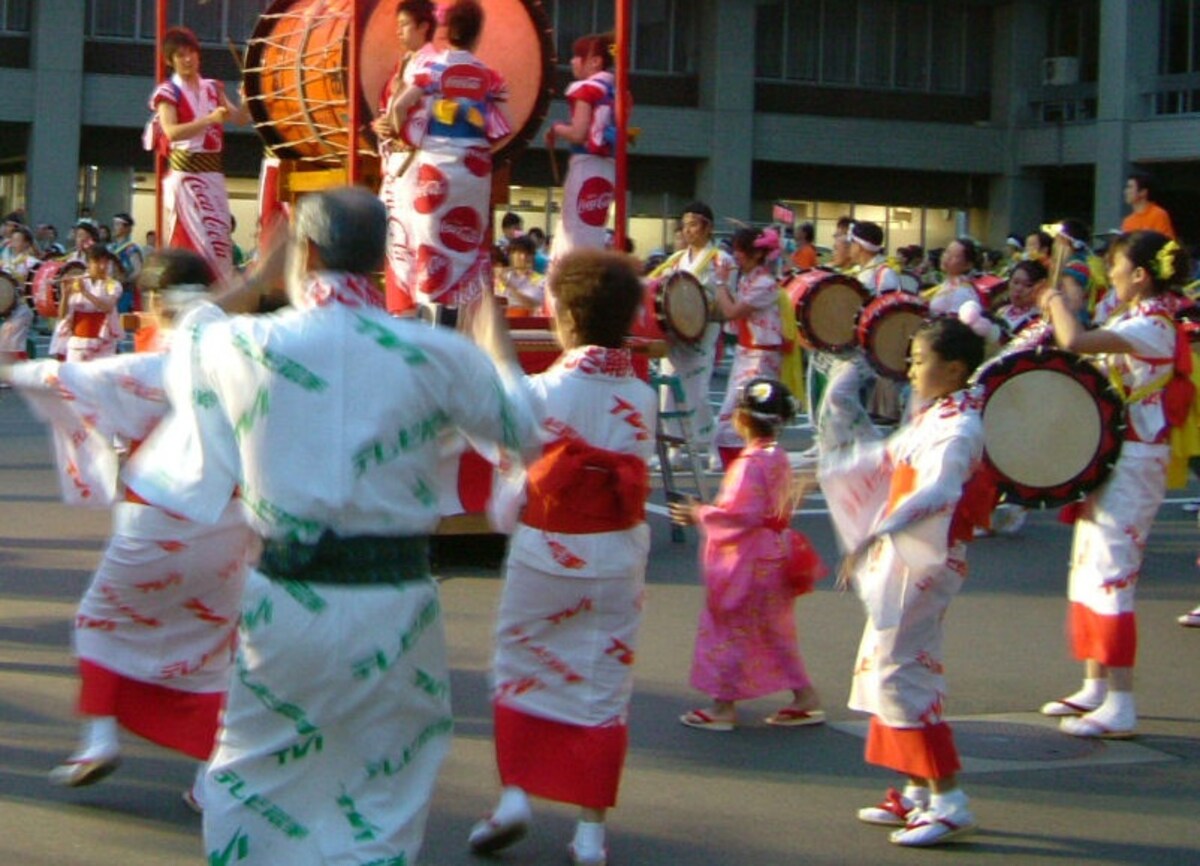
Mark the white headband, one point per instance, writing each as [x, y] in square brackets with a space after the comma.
[865, 244]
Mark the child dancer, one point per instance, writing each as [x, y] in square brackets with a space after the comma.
[901, 507]
[1137, 345]
[755, 314]
[571, 605]
[89, 325]
[746, 642]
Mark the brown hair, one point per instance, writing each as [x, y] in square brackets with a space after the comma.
[177, 38]
[601, 291]
[420, 12]
[595, 45]
[464, 23]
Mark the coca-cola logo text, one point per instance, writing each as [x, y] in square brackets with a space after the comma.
[466, 82]
[478, 161]
[462, 229]
[595, 196]
[433, 270]
[432, 189]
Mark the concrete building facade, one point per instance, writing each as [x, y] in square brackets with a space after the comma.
[931, 116]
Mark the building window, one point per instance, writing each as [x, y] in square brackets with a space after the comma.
[662, 32]
[213, 21]
[1075, 32]
[14, 16]
[1179, 59]
[879, 44]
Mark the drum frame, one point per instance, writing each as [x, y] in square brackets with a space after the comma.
[65, 269]
[1109, 405]
[16, 290]
[864, 328]
[808, 340]
[662, 306]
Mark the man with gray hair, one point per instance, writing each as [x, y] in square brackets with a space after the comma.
[325, 418]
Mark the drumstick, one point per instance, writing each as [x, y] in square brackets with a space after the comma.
[1061, 254]
[237, 55]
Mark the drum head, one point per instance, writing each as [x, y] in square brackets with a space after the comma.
[684, 307]
[888, 352]
[827, 306]
[8, 293]
[1052, 426]
[516, 42]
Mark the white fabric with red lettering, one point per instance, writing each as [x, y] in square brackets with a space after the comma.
[587, 194]
[571, 607]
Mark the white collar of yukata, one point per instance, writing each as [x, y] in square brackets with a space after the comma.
[598, 360]
[322, 288]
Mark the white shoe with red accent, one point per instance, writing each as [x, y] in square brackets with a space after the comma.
[892, 812]
[933, 828]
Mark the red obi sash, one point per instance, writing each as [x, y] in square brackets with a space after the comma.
[88, 324]
[578, 488]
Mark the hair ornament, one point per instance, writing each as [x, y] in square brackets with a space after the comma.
[1164, 261]
[769, 241]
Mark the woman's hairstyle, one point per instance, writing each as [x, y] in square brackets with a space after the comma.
[595, 45]
[953, 340]
[24, 231]
[601, 291]
[767, 404]
[1035, 270]
[464, 23]
[420, 12]
[177, 38]
[522, 244]
[1044, 241]
[744, 240]
[700, 209]
[1166, 261]
[972, 250]
[100, 253]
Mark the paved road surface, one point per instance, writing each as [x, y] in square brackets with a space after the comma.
[756, 797]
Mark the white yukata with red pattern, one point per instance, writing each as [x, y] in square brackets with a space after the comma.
[895, 500]
[83, 342]
[438, 207]
[758, 353]
[327, 418]
[1114, 523]
[950, 295]
[572, 602]
[14, 332]
[156, 627]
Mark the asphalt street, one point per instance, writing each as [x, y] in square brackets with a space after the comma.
[758, 796]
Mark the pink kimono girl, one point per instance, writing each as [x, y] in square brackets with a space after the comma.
[89, 325]
[754, 567]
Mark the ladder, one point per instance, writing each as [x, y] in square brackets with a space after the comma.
[664, 441]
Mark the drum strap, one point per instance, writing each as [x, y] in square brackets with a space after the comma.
[676, 259]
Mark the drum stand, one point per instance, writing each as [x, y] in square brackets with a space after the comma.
[664, 442]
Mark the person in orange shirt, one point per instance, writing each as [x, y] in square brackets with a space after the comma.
[805, 256]
[1146, 215]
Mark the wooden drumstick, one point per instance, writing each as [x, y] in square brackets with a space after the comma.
[237, 55]
[1061, 254]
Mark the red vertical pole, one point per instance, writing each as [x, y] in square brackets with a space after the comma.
[622, 112]
[352, 89]
[160, 162]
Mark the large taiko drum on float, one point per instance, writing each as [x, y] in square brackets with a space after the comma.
[676, 308]
[46, 285]
[1053, 426]
[827, 305]
[885, 328]
[297, 66]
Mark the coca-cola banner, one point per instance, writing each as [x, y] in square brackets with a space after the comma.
[587, 197]
[196, 208]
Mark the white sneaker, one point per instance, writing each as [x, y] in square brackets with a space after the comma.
[492, 834]
[1008, 519]
[892, 812]
[933, 828]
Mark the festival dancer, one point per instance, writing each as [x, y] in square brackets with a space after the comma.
[328, 757]
[592, 133]
[155, 629]
[1024, 284]
[753, 568]
[906, 542]
[19, 256]
[571, 608]
[188, 128]
[89, 325]
[959, 259]
[759, 325]
[439, 205]
[1139, 348]
[693, 362]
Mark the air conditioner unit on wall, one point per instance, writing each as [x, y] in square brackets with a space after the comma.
[1057, 71]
